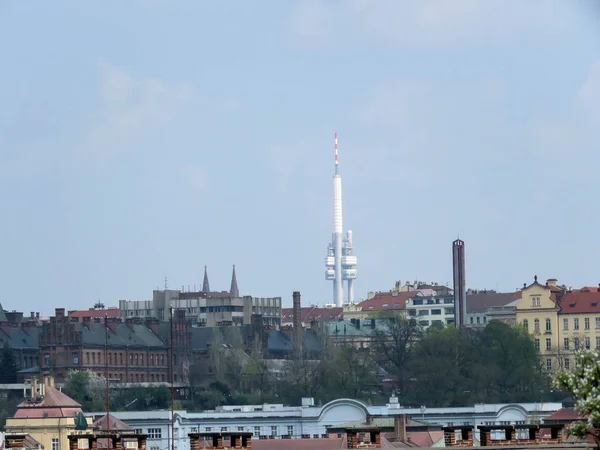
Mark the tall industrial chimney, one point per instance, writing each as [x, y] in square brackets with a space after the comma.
[460, 291]
[297, 324]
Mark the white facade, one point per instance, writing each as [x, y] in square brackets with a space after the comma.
[312, 421]
[428, 309]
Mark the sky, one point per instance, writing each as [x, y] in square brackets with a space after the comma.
[146, 139]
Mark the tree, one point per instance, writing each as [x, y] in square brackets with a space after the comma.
[393, 346]
[584, 383]
[516, 362]
[350, 372]
[8, 366]
[442, 368]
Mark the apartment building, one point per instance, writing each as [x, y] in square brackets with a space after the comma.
[561, 320]
[431, 308]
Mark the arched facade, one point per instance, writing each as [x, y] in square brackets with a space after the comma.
[342, 410]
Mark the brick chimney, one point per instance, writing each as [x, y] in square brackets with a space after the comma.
[59, 313]
[112, 322]
[297, 323]
[400, 427]
[130, 322]
[153, 324]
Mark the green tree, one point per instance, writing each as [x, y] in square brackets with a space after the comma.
[8, 365]
[442, 368]
[514, 360]
[393, 346]
[350, 372]
[584, 383]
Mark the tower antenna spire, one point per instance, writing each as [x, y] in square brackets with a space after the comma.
[337, 160]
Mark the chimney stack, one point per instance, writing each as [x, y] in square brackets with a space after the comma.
[297, 323]
[400, 427]
[34, 388]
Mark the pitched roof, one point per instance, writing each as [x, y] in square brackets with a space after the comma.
[53, 404]
[233, 290]
[298, 444]
[308, 314]
[482, 300]
[581, 301]
[563, 415]
[388, 301]
[116, 425]
[132, 335]
[20, 337]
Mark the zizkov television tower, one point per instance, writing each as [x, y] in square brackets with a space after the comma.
[340, 263]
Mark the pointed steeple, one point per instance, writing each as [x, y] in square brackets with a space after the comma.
[234, 291]
[205, 286]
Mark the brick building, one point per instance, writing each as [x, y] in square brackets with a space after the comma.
[21, 336]
[136, 353]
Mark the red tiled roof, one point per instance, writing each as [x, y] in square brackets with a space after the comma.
[578, 301]
[308, 314]
[564, 415]
[387, 300]
[95, 313]
[53, 404]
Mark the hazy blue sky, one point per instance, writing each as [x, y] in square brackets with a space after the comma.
[144, 139]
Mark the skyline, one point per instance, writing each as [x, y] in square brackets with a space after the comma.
[151, 142]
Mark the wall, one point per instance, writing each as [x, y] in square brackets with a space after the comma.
[44, 430]
[537, 304]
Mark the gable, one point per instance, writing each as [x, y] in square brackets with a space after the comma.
[536, 297]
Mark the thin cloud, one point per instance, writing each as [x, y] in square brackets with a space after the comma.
[424, 23]
[133, 108]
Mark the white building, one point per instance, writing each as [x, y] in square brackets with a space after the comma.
[309, 421]
[428, 309]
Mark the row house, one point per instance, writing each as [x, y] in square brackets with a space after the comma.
[135, 352]
[561, 320]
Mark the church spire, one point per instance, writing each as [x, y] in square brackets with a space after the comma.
[205, 286]
[234, 291]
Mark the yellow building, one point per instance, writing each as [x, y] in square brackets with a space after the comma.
[47, 415]
[561, 321]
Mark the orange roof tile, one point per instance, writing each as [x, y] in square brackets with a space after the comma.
[387, 300]
[581, 301]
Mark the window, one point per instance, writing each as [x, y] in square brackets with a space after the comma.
[586, 323]
[256, 431]
[290, 430]
[478, 319]
[576, 324]
[548, 325]
[54, 444]
[274, 430]
[587, 342]
[526, 324]
[154, 433]
[417, 301]
[240, 429]
[566, 343]
[47, 359]
[208, 429]
[548, 343]
[548, 364]
[537, 344]
[76, 358]
[565, 324]
[223, 429]
[436, 312]
[576, 342]
[536, 325]
[471, 319]
[535, 301]
[597, 341]
[567, 363]
[597, 322]
[140, 431]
